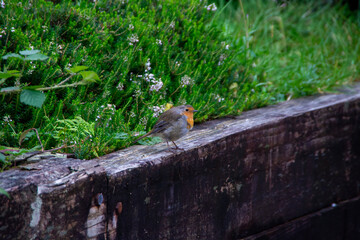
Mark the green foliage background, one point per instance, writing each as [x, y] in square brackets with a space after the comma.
[234, 58]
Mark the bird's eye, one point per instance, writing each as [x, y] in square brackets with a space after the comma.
[187, 109]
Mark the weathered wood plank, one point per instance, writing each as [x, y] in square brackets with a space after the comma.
[237, 177]
[338, 221]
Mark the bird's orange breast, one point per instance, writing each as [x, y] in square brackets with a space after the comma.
[190, 119]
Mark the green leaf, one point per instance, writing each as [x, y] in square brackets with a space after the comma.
[8, 74]
[24, 134]
[13, 71]
[9, 89]
[2, 157]
[3, 192]
[77, 69]
[150, 141]
[36, 57]
[90, 76]
[29, 52]
[32, 98]
[14, 55]
[121, 135]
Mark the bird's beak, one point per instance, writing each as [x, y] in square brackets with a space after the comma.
[195, 110]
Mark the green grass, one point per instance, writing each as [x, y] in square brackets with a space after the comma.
[297, 49]
[222, 62]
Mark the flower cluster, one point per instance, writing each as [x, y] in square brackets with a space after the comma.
[7, 119]
[149, 77]
[106, 112]
[143, 121]
[211, 7]
[133, 39]
[2, 4]
[120, 86]
[158, 42]
[186, 80]
[219, 98]
[172, 25]
[157, 85]
[2, 31]
[221, 59]
[147, 65]
[158, 110]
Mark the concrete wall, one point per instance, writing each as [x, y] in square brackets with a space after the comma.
[279, 172]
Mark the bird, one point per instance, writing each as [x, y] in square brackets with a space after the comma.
[173, 124]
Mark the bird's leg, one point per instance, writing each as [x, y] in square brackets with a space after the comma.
[173, 149]
[169, 148]
[176, 147]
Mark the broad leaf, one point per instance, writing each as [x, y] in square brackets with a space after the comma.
[32, 98]
[9, 89]
[29, 52]
[121, 135]
[150, 141]
[77, 69]
[2, 157]
[90, 76]
[14, 55]
[35, 57]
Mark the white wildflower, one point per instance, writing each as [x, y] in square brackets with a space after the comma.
[120, 86]
[219, 98]
[149, 77]
[172, 24]
[158, 110]
[158, 42]
[137, 93]
[211, 7]
[186, 80]
[2, 4]
[147, 65]
[131, 27]
[226, 46]
[157, 85]
[221, 59]
[143, 121]
[133, 39]
[7, 119]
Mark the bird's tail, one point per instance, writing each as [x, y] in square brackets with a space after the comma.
[143, 136]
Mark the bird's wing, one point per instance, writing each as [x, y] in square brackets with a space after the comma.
[165, 121]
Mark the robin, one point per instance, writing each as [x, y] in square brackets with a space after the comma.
[173, 124]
